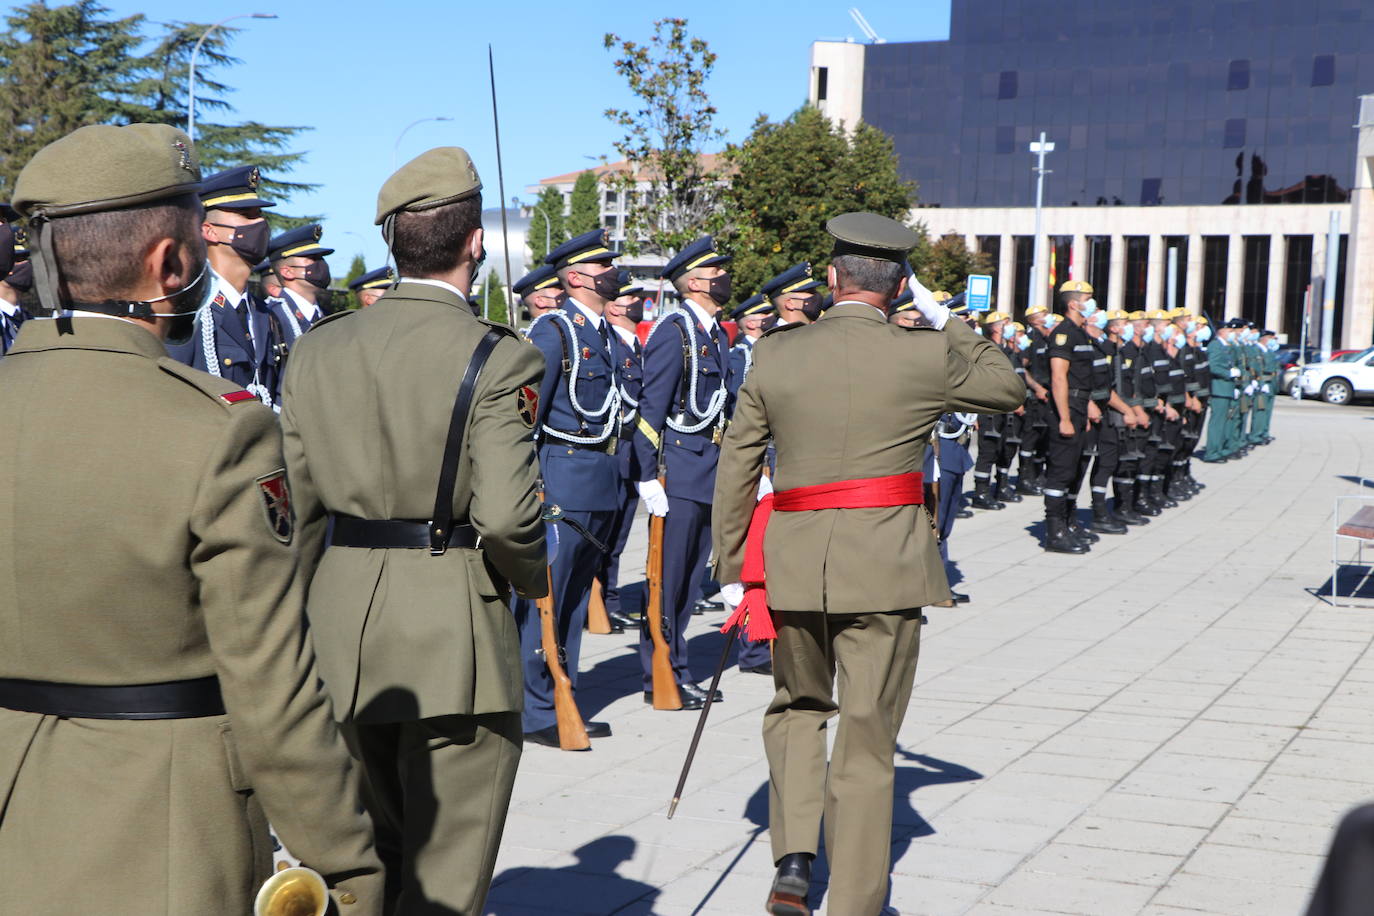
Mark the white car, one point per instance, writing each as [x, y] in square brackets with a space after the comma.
[1339, 381]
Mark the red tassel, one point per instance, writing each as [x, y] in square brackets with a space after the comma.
[752, 613]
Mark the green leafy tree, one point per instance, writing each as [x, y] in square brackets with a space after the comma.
[356, 268]
[946, 263]
[546, 214]
[61, 68]
[489, 298]
[584, 207]
[666, 138]
[788, 178]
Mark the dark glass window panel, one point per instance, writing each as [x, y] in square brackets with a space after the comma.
[1233, 136]
[1024, 255]
[822, 82]
[1339, 319]
[1005, 143]
[1059, 249]
[1215, 250]
[1006, 85]
[1297, 275]
[1100, 265]
[1254, 289]
[1137, 268]
[1323, 70]
[1238, 75]
[1149, 192]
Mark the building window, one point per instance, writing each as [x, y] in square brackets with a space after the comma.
[1006, 139]
[1024, 254]
[1297, 277]
[1061, 264]
[1100, 265]
[822, 83]
[1235, 133]
[991, 246]
[612, 198]
[1238, 75]
[1006, 85]
[611, 222]
[1180, 244]
[1214, 254]
[1339, 320]
[1149, 192]
[1254, 288]
[1323, 70]
[1137, 268]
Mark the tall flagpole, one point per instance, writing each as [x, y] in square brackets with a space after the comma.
[501, 185]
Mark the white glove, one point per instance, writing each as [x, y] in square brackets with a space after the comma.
[1264, 389]
[1250, 388]
[765, 487]
[655, 499]
[930, 310]
[1235, 373]
[732, 594]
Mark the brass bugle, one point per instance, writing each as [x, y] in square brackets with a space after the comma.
[298, 891]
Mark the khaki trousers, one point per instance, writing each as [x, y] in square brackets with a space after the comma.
[872, 658]
[438, 790]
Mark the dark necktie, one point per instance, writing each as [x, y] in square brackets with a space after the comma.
[605, 336]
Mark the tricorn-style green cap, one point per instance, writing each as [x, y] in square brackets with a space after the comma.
[870, 235]
[104, 167]
[443, 175]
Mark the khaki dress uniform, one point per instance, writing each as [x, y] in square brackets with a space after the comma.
[847, 585]
[146, 544]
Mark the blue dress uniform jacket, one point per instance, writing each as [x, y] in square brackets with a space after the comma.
[290, 318]
[630, 369]
[229, 351]
[678, 345]
[741, 359]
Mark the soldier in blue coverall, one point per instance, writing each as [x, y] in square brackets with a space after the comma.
[682, 409]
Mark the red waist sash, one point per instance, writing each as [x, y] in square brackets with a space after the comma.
[867, 493]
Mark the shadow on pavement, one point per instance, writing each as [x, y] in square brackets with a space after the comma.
[590, 886]
[1353, 581]
[1366, 482]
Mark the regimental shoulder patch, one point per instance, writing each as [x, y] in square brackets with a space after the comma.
[527, 405]
[238, 397]
[579, 319]
[276, 505]
[1110, 357]
[1061, 339]
[1128, 362]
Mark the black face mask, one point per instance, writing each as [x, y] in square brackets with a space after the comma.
[607, 285]
[720, 289]
[250, 241]
[811, 308]
[21, 278]
[317, 274]
[636, 312]
[6, 249]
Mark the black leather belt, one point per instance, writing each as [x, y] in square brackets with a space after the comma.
[191, 699]
[1080, 394]
[347, 531]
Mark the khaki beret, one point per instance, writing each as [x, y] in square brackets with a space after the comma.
[104, 167]
[1137, 315]
[1117, 315]
[1035, 310]
[871, 235]
[1076, 286]
[443, 175]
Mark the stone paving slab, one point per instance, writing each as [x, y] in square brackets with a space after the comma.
[1170, 725]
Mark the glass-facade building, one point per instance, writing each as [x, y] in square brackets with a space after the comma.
[1169, 102]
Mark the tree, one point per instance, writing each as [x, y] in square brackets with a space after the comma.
[489, 299]
[356, 268]
[946, 263]
[666, 138]
[547, 206]
[789, 178]
[584, 208]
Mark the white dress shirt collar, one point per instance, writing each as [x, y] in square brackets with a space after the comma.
[310, 310]
[592, 317]
[440, 284]
[707, 321]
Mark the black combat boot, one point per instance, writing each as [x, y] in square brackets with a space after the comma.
[1159, 497]
[1059, 540]
[1025, 481]
[1005, 491]
[1144, 504]
[1125, 505]
[1077, 528]
[982, 499]
[1103, 520]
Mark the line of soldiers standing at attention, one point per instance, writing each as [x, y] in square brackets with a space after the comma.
[1119, 400]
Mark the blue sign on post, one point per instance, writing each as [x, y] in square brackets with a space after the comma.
[978, 293]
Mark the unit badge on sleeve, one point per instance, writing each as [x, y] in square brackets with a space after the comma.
[276, 505]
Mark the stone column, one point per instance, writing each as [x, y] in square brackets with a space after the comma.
[1235, 273]
[1081, 268]
[1116, 281]
[1314, 286]
[1156, 285]
[1006, 273]
[1193, 281]
[1273, 294]
[1357, 328]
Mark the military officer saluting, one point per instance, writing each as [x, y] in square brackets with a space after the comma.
[408, 603]
[1071, 354]
[539, 292]
[159, 699]
[849, 559]
[370, 286]
[298, 263]
[236, 336]
[793, 294]
[682, 416]
[578, 431]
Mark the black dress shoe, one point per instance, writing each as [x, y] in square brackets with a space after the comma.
[964, 513]
[959, 597]
[549, 736]
[703, 605]
[620, 620]
[765, 668]
[696, 690]
[791, 885]
[598, 729]
[688, 701]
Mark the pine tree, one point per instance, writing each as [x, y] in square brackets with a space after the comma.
[547, 206]
[584, 210]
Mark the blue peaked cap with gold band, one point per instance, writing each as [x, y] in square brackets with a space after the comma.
[903, 303]
[380, 278]
[233, 189]
[701, 253]
[756, 304]
[298, 243]
[795, 279]
[541, 277]
[588, 248]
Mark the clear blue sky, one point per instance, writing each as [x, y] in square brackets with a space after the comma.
[359, 73]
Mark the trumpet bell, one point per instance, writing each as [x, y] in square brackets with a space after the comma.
[296, 891]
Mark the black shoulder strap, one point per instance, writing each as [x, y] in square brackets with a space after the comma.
[441, 521]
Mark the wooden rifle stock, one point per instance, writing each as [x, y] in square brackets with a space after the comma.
[666, 695]
[598, 621]
[572, 733]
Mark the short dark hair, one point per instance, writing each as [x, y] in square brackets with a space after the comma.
[874, 275]
[100, 255]
[430, 242]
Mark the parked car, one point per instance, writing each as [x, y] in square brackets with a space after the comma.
[1291, 361]
[1341, 380]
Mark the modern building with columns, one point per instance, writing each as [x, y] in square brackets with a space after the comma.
[1215, 136]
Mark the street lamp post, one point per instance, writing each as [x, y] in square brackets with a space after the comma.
[547, 224]
[395, 149]
[1038, 149]
[191, 76]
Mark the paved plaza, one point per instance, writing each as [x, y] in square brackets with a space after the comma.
[1171, 724]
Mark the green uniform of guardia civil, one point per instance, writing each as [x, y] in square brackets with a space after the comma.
[137, 546]
[1270, 372]
[421, 650]
[1249, 372]
[1221, 358]
[846, 584]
